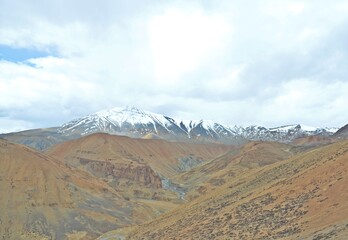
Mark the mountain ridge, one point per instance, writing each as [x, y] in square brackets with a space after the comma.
[135, 122]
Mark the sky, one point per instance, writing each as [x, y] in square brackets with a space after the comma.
[240, 62]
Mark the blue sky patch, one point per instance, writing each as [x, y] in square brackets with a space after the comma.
[16, 55]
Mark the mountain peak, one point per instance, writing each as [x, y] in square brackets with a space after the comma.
[134, 122]
[120, 110]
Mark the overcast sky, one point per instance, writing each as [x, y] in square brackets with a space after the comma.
[266, 62]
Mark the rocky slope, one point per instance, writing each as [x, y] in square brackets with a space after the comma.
[303, 197]
[82, 188]
[42, 198]
[235, 163]
[136, 167]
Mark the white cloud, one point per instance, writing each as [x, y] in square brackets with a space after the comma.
[10, 125]
[296, 7]
[308, 102]
[270, 63]
[180, 40]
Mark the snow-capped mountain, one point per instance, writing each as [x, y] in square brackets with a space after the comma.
[285, 133]
[134, 122]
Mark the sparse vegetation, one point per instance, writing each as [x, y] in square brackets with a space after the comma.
[93, 185]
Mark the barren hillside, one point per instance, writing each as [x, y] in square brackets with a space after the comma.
[42, 198]
[303, 197]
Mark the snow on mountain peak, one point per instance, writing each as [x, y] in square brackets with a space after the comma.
[308, 128]
[136, 122]
[130, 111]
[131, 115]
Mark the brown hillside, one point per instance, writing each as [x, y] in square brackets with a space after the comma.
[42, 198]
[162, 156]
[232, 165]
[313, 141]
[136, 167]
[303, 197]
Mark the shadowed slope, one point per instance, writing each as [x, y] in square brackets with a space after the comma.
[39, 139]
[342, 132]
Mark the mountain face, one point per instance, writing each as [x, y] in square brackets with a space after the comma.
[137, 123]
[342, 132]
[285, 133]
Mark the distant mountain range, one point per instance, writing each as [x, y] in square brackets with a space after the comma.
[137, 123]
[134, 122]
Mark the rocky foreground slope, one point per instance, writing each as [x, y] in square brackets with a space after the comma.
[82, 188]
[85, 187]
[42, 198]
[303, 197]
